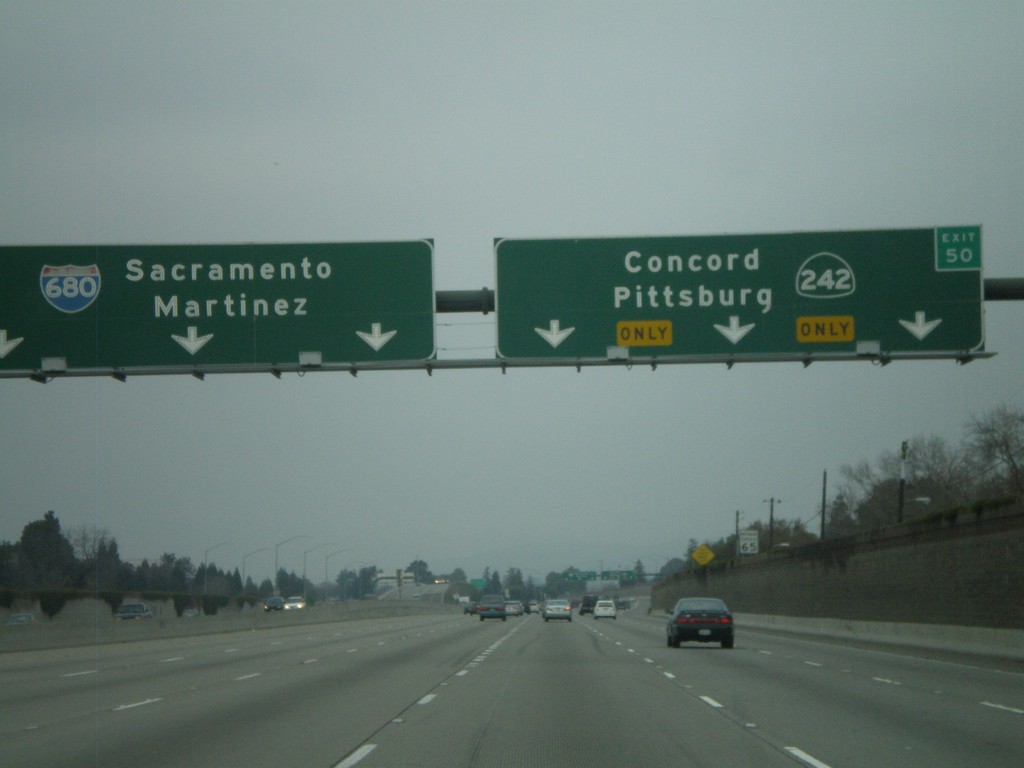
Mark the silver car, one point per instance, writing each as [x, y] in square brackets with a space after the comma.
[557, 609]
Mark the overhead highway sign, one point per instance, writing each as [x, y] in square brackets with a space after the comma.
[170, 307]
[791, 295]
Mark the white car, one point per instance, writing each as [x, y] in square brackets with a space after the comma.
[605, 609]
[292, 603]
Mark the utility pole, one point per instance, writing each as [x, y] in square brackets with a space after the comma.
[771, 519]
[904, 451]
[737, 533]
[824, 487]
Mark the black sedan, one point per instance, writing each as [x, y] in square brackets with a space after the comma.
[273, 604]
[703, 619]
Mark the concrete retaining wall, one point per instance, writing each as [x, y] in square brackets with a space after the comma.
[956, 570]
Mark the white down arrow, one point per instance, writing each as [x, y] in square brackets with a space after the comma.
[375, 338]
[734, 331]
[920, 327]
[554, 334]
[6, 346]
[193, 342]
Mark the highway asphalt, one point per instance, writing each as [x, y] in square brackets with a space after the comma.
[450, 690]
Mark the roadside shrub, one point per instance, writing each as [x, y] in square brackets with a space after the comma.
[181, 602]
[7, 597]
[113, 599]
[51, 601]
[212, 603]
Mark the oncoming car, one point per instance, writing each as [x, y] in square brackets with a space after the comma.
[273, 604]
[294, 603]
[703, 619]
[557, 609]
[129, 611]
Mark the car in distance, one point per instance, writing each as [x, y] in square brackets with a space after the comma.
[533, 607]
[469, 607]
[702, 619]
[294, 603]
[491, 607]
[273, 604]
[557, 609]
[587, 604]
[17, 619]
[514, 608]
[130, 611]
[605, 609]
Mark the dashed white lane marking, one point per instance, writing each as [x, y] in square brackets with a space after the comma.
[427, 699]
[886, 680]
[136, 704]
[79, 674]
[311, 661]
[711, 702]
[799, 754]
[173, 658]
[1003, 707]
[462, 672]
[249, 677]
[356, 756]
[813, 664]
[669, 675]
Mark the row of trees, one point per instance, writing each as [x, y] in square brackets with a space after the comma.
[988, 463]
[985, 466]
[47, 558]
[87, 559]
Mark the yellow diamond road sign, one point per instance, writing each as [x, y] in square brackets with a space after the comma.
[703, 554]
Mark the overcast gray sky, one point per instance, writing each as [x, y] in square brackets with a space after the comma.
[202, 122]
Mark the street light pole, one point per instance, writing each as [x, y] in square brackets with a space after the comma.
[244, 557]
[318, 546]
[328, 557]
[276, 547]
[206, 554]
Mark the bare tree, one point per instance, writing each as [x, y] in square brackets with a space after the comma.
[997, 439]
[86, 540]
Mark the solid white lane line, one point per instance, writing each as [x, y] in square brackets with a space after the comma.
[123, 707]
[356, 756]
[1002, 707]
[711, 702]
[801, 755]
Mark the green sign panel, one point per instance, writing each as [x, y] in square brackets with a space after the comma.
[602, 575]
[191, 306]
[789, 295]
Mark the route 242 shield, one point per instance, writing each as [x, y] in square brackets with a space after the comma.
[70, 288]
